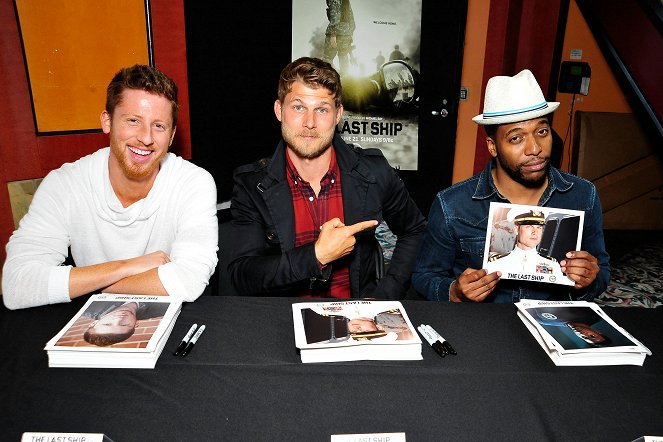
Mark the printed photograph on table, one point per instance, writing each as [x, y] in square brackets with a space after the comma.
[354, 330]
[115, 330]
[106, 323]
[580, 333]
[375, 47]
[529, 242]
[333, 324]
[578, 327]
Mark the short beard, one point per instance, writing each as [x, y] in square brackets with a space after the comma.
[137, 173]
[291, 141]
[309, 155]
[517, 175]
[134, 171]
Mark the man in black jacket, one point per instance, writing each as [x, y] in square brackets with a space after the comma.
[304, 220]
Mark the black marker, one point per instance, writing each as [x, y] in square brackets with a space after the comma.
[193, 340]
[447, 346]
[185, 340]
[439, 348]
[431, 337]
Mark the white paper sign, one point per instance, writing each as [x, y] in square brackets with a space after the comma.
[62, 437]
[369, 437]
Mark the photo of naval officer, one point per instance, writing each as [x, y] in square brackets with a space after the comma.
[525, 258]
[523, 227]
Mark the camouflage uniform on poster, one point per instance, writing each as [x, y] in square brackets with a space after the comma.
[338, 37]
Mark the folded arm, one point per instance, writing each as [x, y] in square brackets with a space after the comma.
[136, 276]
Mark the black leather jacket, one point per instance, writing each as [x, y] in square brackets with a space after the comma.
[262, 256]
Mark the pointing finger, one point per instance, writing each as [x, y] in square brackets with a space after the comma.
[362, 225]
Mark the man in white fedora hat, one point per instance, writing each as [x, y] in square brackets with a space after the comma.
[449, 265]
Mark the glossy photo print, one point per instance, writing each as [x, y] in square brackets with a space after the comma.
[528, 242]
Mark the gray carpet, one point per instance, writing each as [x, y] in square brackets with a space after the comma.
[637, 266]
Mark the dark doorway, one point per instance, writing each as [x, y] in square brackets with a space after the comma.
[235, 52]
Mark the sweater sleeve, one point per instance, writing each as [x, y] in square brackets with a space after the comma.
[33, 273]
[193, 256]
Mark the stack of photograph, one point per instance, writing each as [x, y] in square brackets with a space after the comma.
[353, 331]
[115, 331]
[580, 333]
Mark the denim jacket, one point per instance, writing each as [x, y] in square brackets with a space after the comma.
[456, 233]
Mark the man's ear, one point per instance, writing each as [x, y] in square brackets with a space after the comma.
[339, 113]
[278, 109]
[492, 148]
[105, 122]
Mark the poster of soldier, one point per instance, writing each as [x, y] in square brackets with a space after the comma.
[528, 242]
[375, 48]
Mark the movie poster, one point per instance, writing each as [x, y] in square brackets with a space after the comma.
[375, 47]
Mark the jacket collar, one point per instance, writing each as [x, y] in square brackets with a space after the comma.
[275, 168]
[348, 161]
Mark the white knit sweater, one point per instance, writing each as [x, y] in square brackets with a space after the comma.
[75, 206]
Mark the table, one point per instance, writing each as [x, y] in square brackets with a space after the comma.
[244, 382]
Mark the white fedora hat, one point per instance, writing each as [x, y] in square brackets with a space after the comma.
[513, 99]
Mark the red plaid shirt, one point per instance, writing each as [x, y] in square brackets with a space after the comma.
[311, 213]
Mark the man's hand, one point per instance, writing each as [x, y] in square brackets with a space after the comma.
[473, 285]
[337, 240]
[581, 267]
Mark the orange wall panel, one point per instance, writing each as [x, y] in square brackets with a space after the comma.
[71, 56]
[25, 154]
[472, 78]
[605, 95]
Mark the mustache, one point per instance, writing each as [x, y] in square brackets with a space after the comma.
[309, 133]
[536, 161]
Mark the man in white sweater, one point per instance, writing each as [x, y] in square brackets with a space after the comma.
[136, 218]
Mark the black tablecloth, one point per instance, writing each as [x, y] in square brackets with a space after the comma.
[244, 381]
